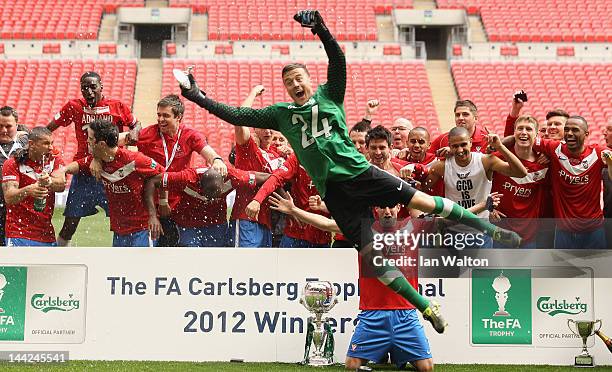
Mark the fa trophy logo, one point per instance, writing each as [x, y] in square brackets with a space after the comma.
[501, 285]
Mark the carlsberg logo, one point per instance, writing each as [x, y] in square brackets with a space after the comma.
[554, 307]
[46, 303]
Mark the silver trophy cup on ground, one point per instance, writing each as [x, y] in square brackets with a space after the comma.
[319, 298]
[584, 329]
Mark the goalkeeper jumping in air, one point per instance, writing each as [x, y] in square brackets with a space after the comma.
[315, 125]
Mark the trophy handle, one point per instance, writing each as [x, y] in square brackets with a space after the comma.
[570, 327]
[597, 321]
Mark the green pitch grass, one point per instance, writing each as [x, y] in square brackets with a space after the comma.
[93, 231]
[257, 367]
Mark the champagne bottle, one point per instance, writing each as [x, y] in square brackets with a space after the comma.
[41, 203]
[606, 340]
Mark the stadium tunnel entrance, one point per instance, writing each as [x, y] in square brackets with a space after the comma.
[431, 32]
[150, 27]
[151, 38]
[436, 40]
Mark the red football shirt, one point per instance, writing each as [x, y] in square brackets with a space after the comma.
[576, 184]
[547, 207]
[373, 294]
[123, 180]
[176, 155]
[77, 111]
[22, 221]
[302, 188]
[250, 157]
[196, 210]
[522, 198]
[479, 141]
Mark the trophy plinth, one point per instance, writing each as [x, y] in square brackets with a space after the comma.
[319, 298]
[584, 329]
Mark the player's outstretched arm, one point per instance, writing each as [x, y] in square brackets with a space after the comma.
[243, 134]
[336, 69]
[512, 168]
[241, 116]
[278, 203]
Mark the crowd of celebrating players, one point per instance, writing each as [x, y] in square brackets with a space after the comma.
[547, 171]
[537, 186]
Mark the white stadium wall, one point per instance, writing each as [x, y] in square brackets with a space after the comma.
[195, 305]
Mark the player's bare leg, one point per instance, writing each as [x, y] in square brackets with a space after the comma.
[354, 363]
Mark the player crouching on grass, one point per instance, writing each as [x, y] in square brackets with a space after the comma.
[388, 324]
[315, 126]
[123, 174]
[29, 191]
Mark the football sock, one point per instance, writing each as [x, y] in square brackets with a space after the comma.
[453, 211]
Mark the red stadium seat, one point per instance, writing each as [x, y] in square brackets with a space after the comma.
[575, 21]
[489, 84]
[170, 49]
[509, 51]
[457, 50]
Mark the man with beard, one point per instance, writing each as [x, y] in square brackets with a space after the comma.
[468, 176]
[576, 170]
[9, 143]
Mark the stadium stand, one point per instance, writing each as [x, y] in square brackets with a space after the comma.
[230, 81]
[541, 21]
[272, 19]
[580, 88]
[55, 19]
[38, 88]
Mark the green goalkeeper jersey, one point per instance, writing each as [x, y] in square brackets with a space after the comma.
[316, 130]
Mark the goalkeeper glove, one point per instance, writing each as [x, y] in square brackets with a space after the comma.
[194, 94]
[311, 19]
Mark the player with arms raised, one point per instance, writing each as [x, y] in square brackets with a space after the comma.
[315, 126]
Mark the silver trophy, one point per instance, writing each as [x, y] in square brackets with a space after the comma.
[319, 298]
[585, 329]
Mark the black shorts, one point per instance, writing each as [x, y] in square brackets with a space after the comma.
[350, 202]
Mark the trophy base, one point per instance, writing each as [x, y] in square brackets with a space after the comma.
[501, 313]
[319, 362]
[582, 361]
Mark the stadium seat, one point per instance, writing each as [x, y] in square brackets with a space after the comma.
[107, 49]
[347, 18]
[457, 50]
[509, 51]
[489, 84]
[392, 50]
[32, 19]
[170, 49]
[574, 21]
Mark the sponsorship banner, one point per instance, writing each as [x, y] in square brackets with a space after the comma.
[501, 306]
[211, 304]
[42, 303]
